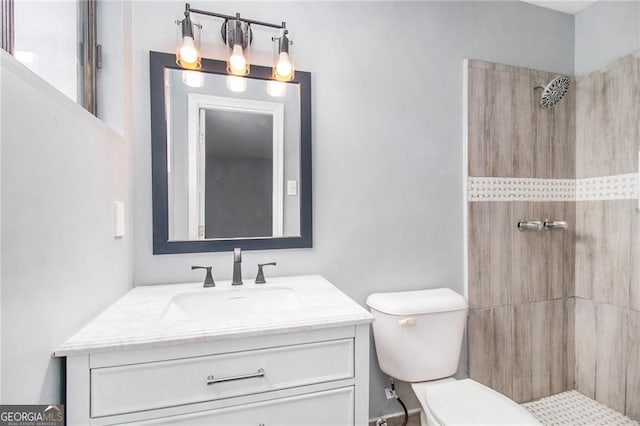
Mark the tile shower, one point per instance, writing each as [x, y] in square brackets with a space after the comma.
[553, 311]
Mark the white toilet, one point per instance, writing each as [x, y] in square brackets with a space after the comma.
[418, 335]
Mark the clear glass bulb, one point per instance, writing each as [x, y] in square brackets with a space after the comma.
[188, 52]
[283, 67]
[237, 63]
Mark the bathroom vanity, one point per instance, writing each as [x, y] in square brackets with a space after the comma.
[293, 351]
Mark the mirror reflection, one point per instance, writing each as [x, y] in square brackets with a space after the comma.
[233, 157]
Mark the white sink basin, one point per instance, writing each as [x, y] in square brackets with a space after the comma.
[214, 303]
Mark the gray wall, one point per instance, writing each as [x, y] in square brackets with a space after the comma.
[606, 31]
[61, 171]
[387, 141]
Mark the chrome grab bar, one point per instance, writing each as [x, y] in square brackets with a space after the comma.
[212, 380]
[529, 225]
[550, 225]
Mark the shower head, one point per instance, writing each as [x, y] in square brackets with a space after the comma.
[553, 92]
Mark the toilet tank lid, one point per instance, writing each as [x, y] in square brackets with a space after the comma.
[417, 302]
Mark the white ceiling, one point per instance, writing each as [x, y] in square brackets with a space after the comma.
[567, 6]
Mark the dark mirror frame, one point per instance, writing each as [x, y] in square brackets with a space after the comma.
[158, 62]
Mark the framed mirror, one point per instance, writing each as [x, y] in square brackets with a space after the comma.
[231, 158]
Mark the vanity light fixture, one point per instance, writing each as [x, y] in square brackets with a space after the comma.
[188, 51]
[283, 68]
[237, 35]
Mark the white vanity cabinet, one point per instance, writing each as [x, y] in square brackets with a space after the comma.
[318, 377]
[293, 373]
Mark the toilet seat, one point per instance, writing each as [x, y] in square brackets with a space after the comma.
[467, 402]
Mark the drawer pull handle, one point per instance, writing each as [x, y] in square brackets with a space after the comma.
[212, 380]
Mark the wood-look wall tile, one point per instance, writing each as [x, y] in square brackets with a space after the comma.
[603, 251]
[636, 62]
[563, 141]
[502, 373]
[632, 408]
[529, 277]
[481, 345]
[634, 285]
[587, 216]
[548, 348]
[478, 149]
[525, 260]
[569, 248]
[618, 105]
[523, 105]
[543, 128]
[522, 352]
[612, 356]
[556, 250]
[543, 262]
[570, 339]
[557, 326]
[491, 347]
[489, 246]
[612, 261]
[541, 343]
[499, 126]
[607, 111]
[586, 146]
[585, 346]
[491, 123]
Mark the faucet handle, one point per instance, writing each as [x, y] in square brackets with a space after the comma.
[208, 280]
[260, 277]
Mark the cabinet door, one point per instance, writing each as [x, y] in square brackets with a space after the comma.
[328, 408]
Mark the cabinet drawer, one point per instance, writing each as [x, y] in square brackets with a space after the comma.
[131, 388]
[334, 408]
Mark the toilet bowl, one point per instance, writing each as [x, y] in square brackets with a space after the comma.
[467, 402]
[418, 336]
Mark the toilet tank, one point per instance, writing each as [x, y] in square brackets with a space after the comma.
[418, 334]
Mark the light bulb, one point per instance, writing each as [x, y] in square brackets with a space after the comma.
[237, 63]
[283, 68]
[188, 52]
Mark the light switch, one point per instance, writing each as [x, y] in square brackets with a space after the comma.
[292, 187]
[118, 219]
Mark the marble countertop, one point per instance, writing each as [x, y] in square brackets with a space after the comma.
[136, 319]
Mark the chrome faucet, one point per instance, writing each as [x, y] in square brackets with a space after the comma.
[237, 267]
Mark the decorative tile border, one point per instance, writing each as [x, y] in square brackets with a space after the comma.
[520, 189]
[616, 187]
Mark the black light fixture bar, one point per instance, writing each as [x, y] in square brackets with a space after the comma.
[236, 17]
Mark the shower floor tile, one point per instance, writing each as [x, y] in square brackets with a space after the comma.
[573, 408]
